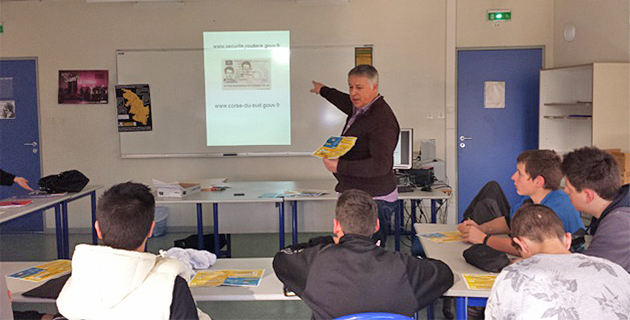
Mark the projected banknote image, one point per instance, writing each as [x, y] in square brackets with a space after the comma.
[247, 74]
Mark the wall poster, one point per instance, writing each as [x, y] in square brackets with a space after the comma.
[83, 86]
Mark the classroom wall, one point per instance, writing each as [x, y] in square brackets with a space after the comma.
[531, 25]
[71, 34]
[411, 52]
[602, 31]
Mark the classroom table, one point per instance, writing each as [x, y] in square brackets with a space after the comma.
[270, 287]
[238, 192]
[436, 196]
[60, 205]
[451, 254]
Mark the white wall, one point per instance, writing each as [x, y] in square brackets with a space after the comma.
[71, 34]
[414, 44]
[602, 31]
[531, 24]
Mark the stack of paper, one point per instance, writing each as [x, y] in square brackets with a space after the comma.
[215, 278]
[32, 277]
[479, 281]
[14, 203]
[304, 193]
[443, 237]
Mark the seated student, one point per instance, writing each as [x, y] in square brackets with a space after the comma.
[353, 275]
[553, 283]
[120, 280]
[537, 178]
[594, 185]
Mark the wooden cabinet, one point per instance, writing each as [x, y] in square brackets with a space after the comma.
[585, 105]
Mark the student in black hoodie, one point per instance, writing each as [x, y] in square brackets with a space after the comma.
[349, 274]
[594, 185]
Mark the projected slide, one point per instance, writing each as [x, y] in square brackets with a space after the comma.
[247, 88]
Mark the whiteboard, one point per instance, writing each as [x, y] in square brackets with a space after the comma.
[176, 81]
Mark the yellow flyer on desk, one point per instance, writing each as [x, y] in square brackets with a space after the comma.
[215, 278]
[443, 237]
[479, 281]
[335, 147]
[44, 271]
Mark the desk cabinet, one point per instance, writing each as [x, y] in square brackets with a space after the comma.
[585, 105]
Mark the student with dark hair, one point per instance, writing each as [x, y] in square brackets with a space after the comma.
[593, 183]
[537, 179]
[550, 282]
[349, 274]
[119, 280]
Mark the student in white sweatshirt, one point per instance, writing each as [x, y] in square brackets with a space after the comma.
[119, 280]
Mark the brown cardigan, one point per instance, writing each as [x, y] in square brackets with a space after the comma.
[368, 166]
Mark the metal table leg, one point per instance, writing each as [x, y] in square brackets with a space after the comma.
[281, 222]
[294, 213]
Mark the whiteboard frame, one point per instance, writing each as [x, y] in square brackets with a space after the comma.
[124, 155]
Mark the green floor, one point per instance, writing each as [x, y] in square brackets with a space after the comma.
[38, 247]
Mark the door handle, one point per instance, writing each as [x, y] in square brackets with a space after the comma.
[32, 144]
[462, 138]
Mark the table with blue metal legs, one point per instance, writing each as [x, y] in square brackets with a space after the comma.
[60, 205]
[238, 192]
[451, 254]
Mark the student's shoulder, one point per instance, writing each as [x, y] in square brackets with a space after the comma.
[558, 199]
[618, 218]
[601, 267]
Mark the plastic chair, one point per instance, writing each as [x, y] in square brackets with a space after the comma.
[374, 315]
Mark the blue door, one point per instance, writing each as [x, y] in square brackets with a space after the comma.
[490, 139]
[19, 134]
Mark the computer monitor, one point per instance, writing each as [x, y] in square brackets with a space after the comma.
[403, 154]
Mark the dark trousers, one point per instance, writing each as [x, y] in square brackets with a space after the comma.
[385, 212]
[489, 203]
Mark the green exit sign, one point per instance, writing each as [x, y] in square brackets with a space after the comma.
[1, 28]
[499, 15]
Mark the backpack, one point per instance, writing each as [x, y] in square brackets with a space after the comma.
[67, 181]
[486, 258]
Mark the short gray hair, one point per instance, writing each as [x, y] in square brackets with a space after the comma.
[365, 70]
[356, 212]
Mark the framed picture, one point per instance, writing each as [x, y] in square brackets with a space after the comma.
[83, 86]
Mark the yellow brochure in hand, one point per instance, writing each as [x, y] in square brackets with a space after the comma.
[335, 147]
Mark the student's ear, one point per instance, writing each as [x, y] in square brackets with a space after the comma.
[540, 181]
[567, 240]
[97, 227]
[524, 248]
[336, 226]
[378, 226]
[590, 195]
[151, 230]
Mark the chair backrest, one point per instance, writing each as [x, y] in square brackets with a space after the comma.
[374, 315]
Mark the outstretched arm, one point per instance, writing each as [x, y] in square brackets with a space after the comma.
[317, 86]
[23, 183]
